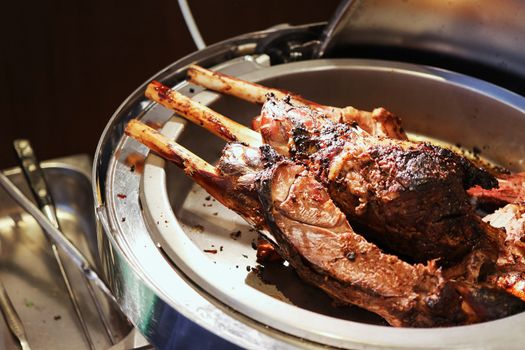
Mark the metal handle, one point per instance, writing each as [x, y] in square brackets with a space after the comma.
[35, 178]
[338, 19]
[32, 172]
[37, 183]
[56, 235]
[13, 320]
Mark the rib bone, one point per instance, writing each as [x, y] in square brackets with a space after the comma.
[202, 115]
[379, 122]
[207, 176]
[168, 149]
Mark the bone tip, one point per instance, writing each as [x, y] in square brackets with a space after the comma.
[155, 83]
[193, 71]
[156, 90]
[132, 126]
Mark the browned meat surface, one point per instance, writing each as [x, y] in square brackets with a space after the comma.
[409, 196]
[314, 236]
[511, 189]
[378, 122]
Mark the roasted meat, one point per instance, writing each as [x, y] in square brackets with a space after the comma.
[286, 201]
[409, 196]
[510, 271]
[315, 238]
[379, 122]
[511, 189]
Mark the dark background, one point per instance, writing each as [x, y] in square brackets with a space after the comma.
[67, 65]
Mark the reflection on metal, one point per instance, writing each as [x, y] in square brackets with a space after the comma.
[481, 38]
[36, 181]
[12, 318]
[338, 20]
[29, 270]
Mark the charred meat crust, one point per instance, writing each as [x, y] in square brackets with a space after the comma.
[486, 303]
[410, 196]
[511, 189]
[413, 200]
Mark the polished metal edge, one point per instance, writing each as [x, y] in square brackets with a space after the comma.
[302, 323]
[143, 303]
[116, 252]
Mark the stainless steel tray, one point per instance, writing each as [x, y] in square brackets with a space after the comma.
[29, 270]
[170, 214]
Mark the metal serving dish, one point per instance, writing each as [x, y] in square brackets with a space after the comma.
[29, 270]
[158, 224]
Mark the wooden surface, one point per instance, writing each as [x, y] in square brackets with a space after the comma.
[65, 66]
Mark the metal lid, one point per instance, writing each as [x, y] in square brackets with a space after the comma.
[480, 38]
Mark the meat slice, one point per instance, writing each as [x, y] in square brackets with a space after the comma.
[314, 236]
[409, 196]
[511, 189]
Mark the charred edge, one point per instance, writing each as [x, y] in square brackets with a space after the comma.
[269, 156]
[241, 200]
[162, 90]
[472, 175]
[490, 303]
[336, 134]
[304, 144]
[478, 176]
[270, 96]
[264, 191]
[445, 306]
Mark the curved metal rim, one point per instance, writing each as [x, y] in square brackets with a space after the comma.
[366, 334]
[307, 324]
[114, 245]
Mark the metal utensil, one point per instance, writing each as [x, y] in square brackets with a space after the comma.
[36, 181]
[28, 267]
[13, 320]
[58, 237]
